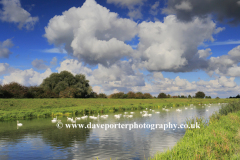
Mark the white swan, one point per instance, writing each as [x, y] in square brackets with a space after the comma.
[131, 112]
[54, 120]
[73, 121]
[92, 117]
[178, 110]
[84, 117]
[19, 124]
[69, 119]
[117, 116]
[157, 112]
[78, 118]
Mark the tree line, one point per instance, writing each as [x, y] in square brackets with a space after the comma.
[66, 85]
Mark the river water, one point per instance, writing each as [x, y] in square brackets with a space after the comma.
[42, 139]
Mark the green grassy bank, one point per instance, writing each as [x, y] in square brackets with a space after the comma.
[217, 139]
[12, 109]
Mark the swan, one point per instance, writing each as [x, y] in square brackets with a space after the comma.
[54, 121]
[69, 119]
[125, 112]
[167, 110]
[178, 110]
[78, 118]
[140, 112]
[83, 117]
[206, 109]
[92, 117]
[157, 112]
[145, 115]
[153, 111]
[19, 124]
[117, 116]
[104, 116]
[185, 107]
[55, 118]
[73, 121]
[131, 112]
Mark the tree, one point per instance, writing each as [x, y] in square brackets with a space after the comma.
[139, 95]
[162, 95]
[147, 96]
[102, 95]
[189, 96]
[69, 92]
[131, 94]
[14, 90]
[199, 94]
[58, 82]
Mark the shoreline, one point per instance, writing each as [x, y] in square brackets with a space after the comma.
[17, 109]
[217, 139]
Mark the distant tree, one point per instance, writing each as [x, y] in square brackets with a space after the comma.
[200, 94]
[14, 90]
[102, 95]
[217, 98]
[69, 92]
[58, 82]
[131, 94]
[179, 96]
[162, 95]
[168, 96]
[182, 96]
[147, 96]
[139, 95]
[189, 96]
[238, 96]
[209, 97]
[117, 95]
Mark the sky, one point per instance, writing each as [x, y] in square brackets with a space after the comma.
[176, 47]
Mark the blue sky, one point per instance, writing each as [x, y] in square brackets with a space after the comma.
[142, 45]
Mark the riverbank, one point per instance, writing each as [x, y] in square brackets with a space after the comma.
[12, 109]
[217, 139]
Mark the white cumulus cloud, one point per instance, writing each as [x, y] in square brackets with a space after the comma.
[13, 12]
[92, 33]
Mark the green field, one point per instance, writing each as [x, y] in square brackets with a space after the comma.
[12, 109]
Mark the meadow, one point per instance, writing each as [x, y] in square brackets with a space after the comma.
[217, 139]
[12, 109]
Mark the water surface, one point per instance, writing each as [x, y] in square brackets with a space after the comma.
[41, 139]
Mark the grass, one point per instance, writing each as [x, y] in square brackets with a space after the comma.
[217, 139]
[12, 109]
